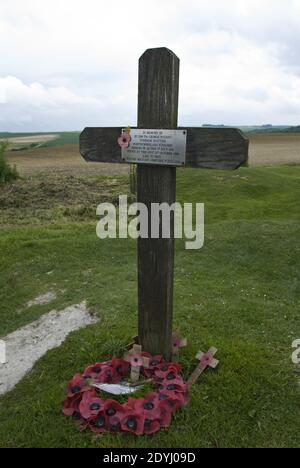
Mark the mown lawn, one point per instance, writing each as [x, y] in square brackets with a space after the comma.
[239, 293]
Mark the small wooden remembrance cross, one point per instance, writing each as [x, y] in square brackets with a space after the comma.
[137, 361]
[224, 148]
[205, 360]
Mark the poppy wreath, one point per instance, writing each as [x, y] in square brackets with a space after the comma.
[139, 416]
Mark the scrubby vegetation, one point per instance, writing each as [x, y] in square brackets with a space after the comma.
[7, 172]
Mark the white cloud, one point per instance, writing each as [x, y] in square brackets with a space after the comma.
[65, 64]
[35, 105]
[14, 90]
[240, 83]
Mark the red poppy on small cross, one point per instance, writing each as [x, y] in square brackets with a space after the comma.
[205, 360]
[137, 361]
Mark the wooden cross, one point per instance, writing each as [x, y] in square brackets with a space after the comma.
[223, 148]
[137, 361]
[205, 360]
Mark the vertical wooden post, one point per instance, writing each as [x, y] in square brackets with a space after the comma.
[157, 108]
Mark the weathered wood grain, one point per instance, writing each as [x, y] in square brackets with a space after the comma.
[215, 148]
[157, 108]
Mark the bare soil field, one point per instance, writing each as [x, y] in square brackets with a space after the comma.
[32, 139]
[265, 150]
[274, 148]
[60, 159]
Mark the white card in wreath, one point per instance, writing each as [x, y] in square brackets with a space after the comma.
[117, 389]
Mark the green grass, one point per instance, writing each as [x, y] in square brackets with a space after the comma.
[239, 293]
[64, 138]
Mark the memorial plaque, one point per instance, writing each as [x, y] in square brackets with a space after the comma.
[159, 147]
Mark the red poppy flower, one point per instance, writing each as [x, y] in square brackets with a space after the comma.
[155, 362]
[99, 424]
[171, 400]
[71, 404]
[169, 372]
[122, 367]
[136, 360]
[176, 400]
[124, 140]
[149, 406]
[102, 372]
[175, 385]
[93, 372]
[107, 373]
[177, 366]
[114, 413]
[90, 405]
[133, 421]
[77, 385]
[110, 375]
[206, 360]
[151, 426]
[164, 408]
[166, 415]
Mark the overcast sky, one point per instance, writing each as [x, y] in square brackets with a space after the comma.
[67, 64]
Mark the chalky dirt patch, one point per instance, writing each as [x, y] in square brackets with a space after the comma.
[42, 300]
[27, 345]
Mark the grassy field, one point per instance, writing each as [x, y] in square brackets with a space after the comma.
[239, 293]
[31, 140]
